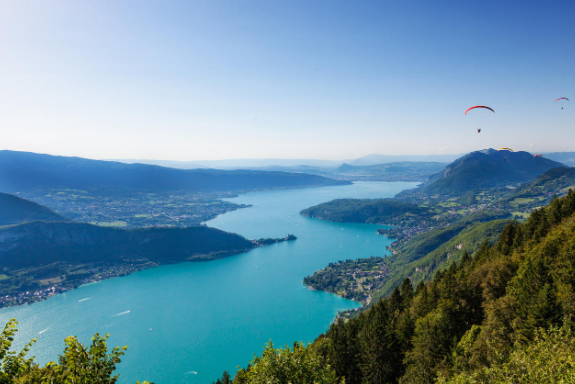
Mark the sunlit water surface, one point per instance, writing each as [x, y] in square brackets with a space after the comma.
[187, 323]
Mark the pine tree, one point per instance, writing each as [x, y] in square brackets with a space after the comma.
[379, 347]
[406, 293]
[226, 378]
[506, 238]
[395, 300]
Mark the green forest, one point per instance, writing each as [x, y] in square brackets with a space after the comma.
[382, 211]
[502, 315]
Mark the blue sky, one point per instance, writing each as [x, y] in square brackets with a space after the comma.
[190, 80]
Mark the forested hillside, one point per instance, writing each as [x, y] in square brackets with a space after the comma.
[502, 315]
[40, 243]
[422, 255]
[14, 210]
[380, 211]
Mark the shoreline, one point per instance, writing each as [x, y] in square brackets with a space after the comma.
[110, 271]
[346, 314]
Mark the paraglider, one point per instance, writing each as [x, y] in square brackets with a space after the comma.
[537, 155]
[505, 149]
[479, 106]
[561, 98]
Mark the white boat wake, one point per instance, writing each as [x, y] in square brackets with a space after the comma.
[41, 332]
[122, 313]
[188, 373]
[88, 298]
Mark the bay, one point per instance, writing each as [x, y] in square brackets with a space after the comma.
[188, 322]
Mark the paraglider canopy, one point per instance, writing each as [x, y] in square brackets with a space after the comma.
[505, 149]
[479, 106]
[562, 98]
[537, 155]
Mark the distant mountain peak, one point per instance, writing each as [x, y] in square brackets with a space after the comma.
[487, 151]
[488, 168]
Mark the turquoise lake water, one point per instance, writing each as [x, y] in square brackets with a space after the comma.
[207, 317]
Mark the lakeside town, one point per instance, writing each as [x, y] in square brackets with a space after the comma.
[352, 279]
[97, 273]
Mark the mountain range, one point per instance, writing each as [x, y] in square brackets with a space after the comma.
[372, 159]
[24, 171]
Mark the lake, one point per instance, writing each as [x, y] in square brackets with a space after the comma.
[187, 323]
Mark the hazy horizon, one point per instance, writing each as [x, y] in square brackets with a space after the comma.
[329, 80]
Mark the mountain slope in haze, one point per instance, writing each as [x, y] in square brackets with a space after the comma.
[15, 210]
[487, 169]
[398, 171]
[235, 163]
[375, 159]
[404, 169]
[24, 171]
[391, 171]
[567, 158]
